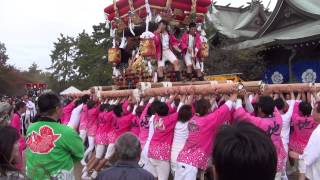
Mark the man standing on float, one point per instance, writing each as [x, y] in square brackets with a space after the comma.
[164, 44]
[190, 46]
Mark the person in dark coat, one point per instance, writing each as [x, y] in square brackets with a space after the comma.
[127, 153]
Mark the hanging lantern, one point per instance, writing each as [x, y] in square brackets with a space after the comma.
[114, 55]
[147, 47]
[204, 51]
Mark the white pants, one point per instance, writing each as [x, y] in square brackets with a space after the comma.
[278, 176]
[284, 173]
[110, 151]
[144, 160]
[189, 61]
[301, 166]
[158, 168]
[90, 147]
[175, 150]
[83, 135]
[100, 148]
[167, 55]
[185, 172]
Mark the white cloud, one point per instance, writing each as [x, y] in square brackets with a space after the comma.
[29, 27]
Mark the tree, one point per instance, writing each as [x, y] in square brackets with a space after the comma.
[90, 60]
[3, 55]
[13, 80]
[34, 69]
[81, 61]
[62, 58]
[249, 62]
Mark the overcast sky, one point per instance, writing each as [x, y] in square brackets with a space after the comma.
[29, 27]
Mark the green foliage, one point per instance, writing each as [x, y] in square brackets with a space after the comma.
[3, 55]
[62, 58]
[13, 80]
[249, 62]
[81, 61]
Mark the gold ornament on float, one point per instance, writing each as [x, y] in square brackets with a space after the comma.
[204, 51]
[147, 47]
[138, 65]
[114, 55]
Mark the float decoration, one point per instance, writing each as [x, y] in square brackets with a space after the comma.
[114, 53]
[175, 10]
[130, 16]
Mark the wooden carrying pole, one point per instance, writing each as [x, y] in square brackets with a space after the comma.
[173, 84]
[116, 94]
[287, 88]
[202, 88]
[104, 88]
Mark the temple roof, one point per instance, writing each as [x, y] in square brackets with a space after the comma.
[238, 22]
[292, 21]
[303, 32]
[309, 6]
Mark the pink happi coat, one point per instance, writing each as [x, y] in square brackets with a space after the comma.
[185, 42]
[16, 123]
[272, 126]
[93, 114]
[67, 110]
[302, 130]
[202, 130]
[84, 118]
[161, 142]
[104, 127]
[144, 125]
[173, 42]
[120, 125]
[171, 109]
[125, 106]
[135, 129]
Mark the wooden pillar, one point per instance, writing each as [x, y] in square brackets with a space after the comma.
[293, 54]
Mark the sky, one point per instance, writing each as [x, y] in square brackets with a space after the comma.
[29, 27]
